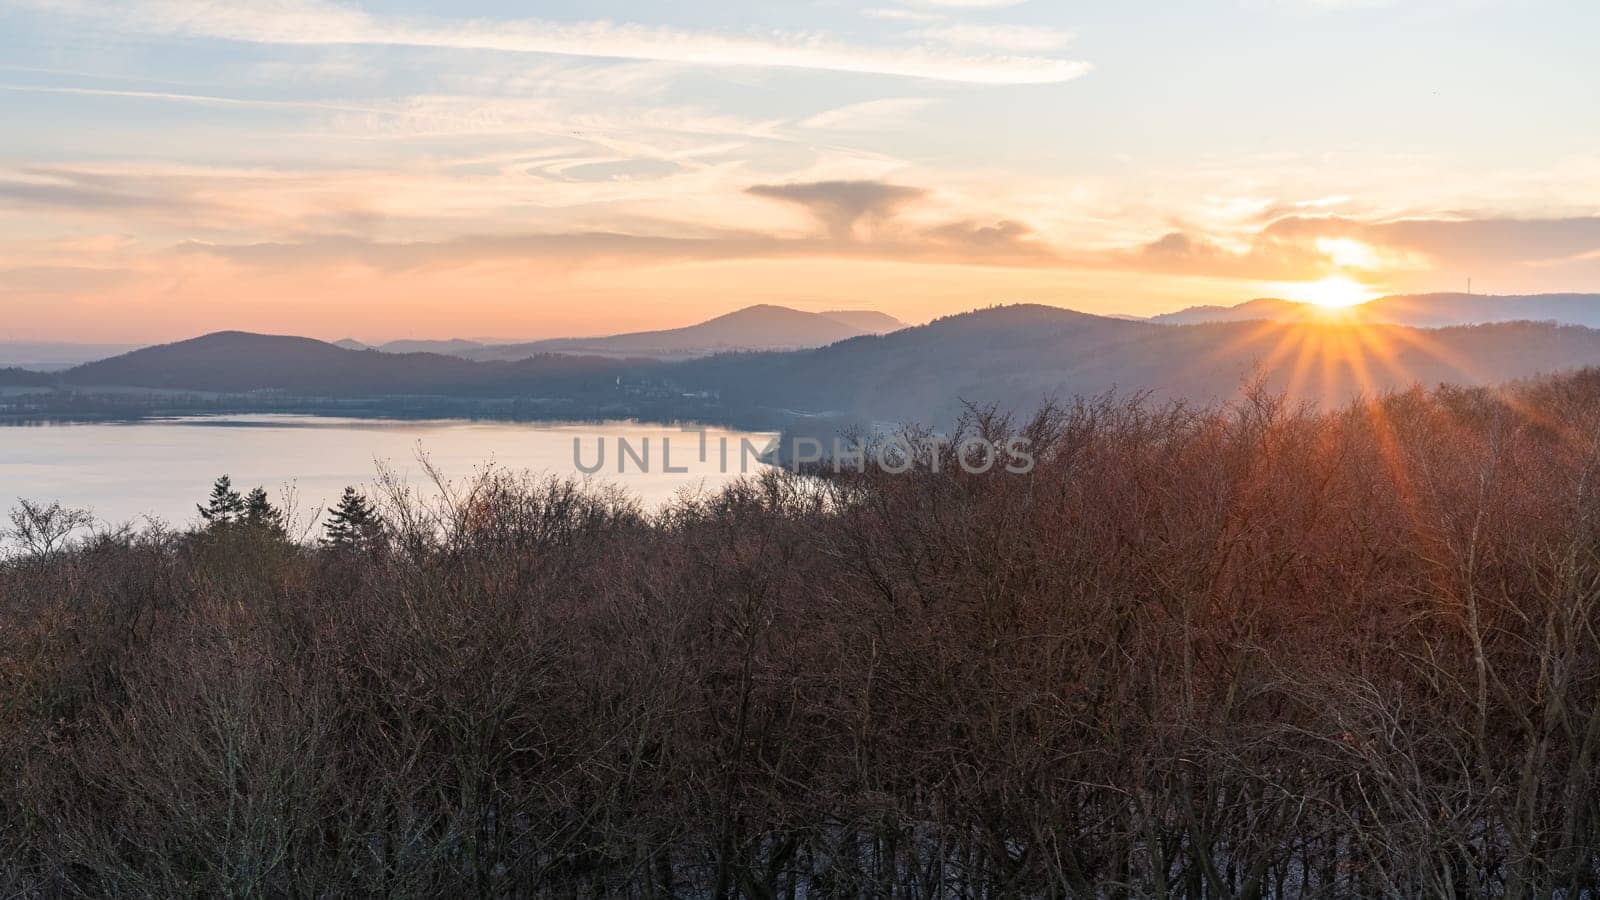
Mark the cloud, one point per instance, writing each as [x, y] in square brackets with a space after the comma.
[1004, 244]
[1180, 253]
[136, 198]
[1013, 38]
[89, 192]
[1003, 239]
[312, 22]
[1459, 241]
[860, 220]
[843, 205]
[873, 114]
[593, 205]
[969, 4]
[563, 248]
[1321, 6]
[1301, 248]
[172, 97]
[898, 14]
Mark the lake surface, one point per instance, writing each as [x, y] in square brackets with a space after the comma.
[162, 468]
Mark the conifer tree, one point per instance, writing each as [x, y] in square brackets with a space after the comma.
[225, 506]
[354, 524]
[260, 513]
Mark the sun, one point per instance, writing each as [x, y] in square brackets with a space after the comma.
[1331, 293]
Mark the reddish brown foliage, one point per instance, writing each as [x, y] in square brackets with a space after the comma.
[1256, 651]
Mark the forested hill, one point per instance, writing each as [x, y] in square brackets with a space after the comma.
[242, 362]
[14, 377]
[1017, 356]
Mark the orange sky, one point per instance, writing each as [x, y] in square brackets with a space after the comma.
[400, 169]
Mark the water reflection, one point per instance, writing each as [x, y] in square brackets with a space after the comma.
[162, 468]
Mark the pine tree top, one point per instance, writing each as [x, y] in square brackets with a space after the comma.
[354, 523]
[224, 505]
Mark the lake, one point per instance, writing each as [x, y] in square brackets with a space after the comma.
[162, 468]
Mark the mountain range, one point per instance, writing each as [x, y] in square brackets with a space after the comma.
[761, 327]
[1016, 356]
[452, 347]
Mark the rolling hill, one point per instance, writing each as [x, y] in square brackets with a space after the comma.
[752, 328]
[869, 321]
[240, 362]
[763, 327]
[451, 347]
[1260, 309]
[13, 377]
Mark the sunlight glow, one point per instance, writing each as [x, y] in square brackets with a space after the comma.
[1348, 254]
[1331, 293]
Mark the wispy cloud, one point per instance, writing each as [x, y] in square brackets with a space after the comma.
[175, 97]
[95, 193]
[310, 22]
[872, 114]
[970, 4]
[1318, 6]
[1003, 244]
[901, 14]
[859, 219]
[1013, 38]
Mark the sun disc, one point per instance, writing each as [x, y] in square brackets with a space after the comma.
[1331, 293]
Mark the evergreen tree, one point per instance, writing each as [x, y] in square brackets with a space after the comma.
[225, 506]
[260, 513]
[354, 524]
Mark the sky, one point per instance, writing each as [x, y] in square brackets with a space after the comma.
[502, 170]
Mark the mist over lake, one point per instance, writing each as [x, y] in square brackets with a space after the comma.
[162, 468]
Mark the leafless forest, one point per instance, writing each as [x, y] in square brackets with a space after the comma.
[1258, 651]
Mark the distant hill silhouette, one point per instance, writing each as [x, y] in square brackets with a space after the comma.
[452, 347]
[12, 377]
[763, 327]
[1438, 310]
[50, 356]
[870, 321]
[1417, 310]
[1261, 309]
[236, 361]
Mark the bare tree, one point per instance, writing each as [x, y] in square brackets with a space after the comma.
[41, 530]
